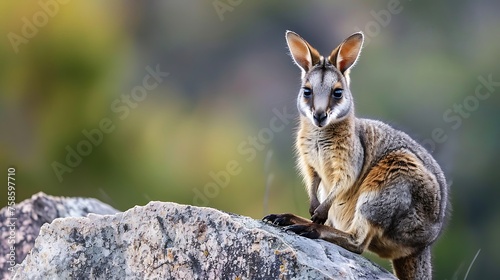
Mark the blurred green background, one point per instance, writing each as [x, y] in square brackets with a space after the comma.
[65, 68]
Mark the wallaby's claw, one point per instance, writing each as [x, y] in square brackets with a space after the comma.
[269, 218]
[278, 219]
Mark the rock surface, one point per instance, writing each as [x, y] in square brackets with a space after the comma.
[23, 221]
[172, 241]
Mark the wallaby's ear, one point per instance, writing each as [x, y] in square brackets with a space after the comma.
[347, 53]
[303, 54]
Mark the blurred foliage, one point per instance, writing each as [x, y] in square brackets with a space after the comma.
[228, 71]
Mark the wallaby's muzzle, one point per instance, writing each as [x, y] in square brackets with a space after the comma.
[320, 118]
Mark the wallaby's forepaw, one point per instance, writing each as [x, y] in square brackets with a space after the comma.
[320, 215]
[285, 219]
[308, 231]
[319, 218]
[279, 219]
[313, 205]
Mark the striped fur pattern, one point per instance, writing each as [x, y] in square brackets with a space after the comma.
[371, 187]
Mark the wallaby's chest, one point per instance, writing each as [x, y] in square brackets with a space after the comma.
[331, 158]
[328, 156]
[318, 154]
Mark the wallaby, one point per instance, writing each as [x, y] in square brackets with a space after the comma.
[370, 185]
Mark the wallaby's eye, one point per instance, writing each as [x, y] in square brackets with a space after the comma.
[307, 92]
[337, 93]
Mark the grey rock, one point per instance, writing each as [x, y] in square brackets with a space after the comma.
[22, 223]
[172, 241]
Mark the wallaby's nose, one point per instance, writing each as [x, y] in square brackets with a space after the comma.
[319, 117]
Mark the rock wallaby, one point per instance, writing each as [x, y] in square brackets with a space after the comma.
[371, 187]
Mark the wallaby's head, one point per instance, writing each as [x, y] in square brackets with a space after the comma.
[324, 97]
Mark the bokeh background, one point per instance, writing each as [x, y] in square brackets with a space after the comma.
[229, 80]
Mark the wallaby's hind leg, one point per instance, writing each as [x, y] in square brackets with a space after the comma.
[405, 204]
[401, 216]
[355, 242]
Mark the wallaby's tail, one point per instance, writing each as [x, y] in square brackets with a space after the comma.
[413, 267]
